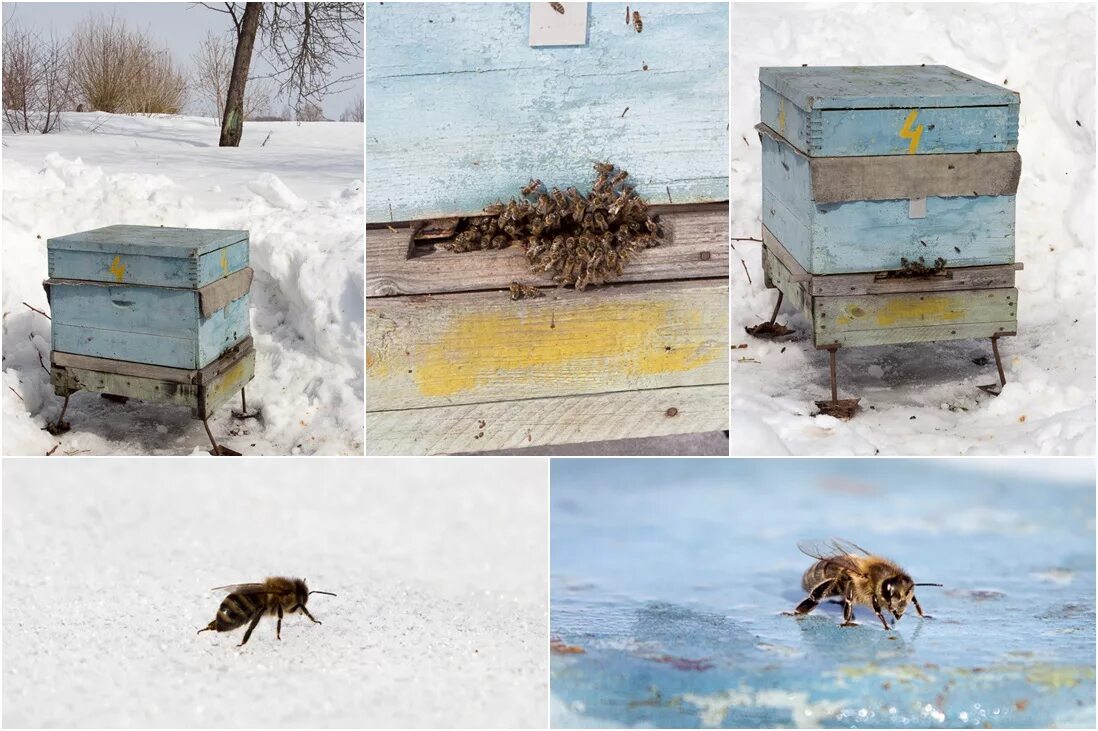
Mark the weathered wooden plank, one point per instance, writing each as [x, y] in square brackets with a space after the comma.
[696, 248]
[968, 278]
[487, 117]
[218, 295]
[922, 317]
[794, 290]
[68, 380]
[227, 382]
[546, 421]
[145, 370]
[469, 348]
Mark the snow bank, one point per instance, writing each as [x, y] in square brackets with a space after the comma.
[923, 399]
[296, 188]
[440, 618]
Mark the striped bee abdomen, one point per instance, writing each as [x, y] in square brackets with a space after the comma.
[237, 609]
[818, 573]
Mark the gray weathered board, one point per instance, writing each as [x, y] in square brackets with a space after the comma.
[455, 365]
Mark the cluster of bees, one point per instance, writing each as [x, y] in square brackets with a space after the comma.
[916, 269]
[578, 239]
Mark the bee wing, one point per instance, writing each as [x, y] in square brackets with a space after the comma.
[242, 588]
[831, 552]
[845, 546]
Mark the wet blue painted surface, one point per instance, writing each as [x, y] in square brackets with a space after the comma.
[672, 576]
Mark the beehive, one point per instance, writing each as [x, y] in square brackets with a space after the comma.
[888, 198]
[154, 313]
[453, 364]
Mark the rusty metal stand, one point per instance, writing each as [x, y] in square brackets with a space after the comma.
[60, 426]
[243, 413]
[771, 329]
[219, 450]
[839, 408]
[992, 388]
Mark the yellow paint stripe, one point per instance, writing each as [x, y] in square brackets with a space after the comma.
[117, 268]
[908, 133]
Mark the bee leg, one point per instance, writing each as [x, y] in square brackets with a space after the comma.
[848, 614]
[814, 597]
[255, 620]
[877, 609]
[315, 620]
[278, 627]
[919, 609]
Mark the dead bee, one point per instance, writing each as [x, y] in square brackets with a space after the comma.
[521, 291]
[638, 24]
[249, 602]
[852, 573]
[558, 7]
[533, 185]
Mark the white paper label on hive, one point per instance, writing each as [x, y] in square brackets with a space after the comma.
[916, 208]
[550, 27]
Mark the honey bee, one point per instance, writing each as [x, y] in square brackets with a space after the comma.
[249, 602]
[856, 576]
[533, 185]
[558, 7]
[638, 24]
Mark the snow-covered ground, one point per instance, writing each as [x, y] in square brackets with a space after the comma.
[440, 567]
[922, 399]
[296, 188]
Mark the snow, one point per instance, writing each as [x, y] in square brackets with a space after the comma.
[296, 188]
[440, 568]
[922, 399]
[672, 575]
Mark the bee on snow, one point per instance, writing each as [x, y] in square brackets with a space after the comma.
[848, 571]
[249, 602]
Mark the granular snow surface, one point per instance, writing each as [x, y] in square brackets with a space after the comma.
[440, 568]
[923, 399]
[296, 188]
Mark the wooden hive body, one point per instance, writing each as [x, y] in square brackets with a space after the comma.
[176, 298]
[453, 364]
[865, 168]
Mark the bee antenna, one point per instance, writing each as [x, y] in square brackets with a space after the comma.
[331, 594]
[928, 585]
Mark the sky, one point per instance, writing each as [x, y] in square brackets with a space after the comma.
[178, 26]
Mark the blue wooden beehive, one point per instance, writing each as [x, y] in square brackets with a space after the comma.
[153, 313]
[170, 297]
[888, 202]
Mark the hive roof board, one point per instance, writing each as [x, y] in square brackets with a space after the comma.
[882, 87]
[149, 240]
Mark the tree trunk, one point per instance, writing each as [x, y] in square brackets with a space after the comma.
[232, 124]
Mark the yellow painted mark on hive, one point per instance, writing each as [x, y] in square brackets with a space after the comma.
[117, 268]
[630, 338]
[224, 262]
[229, 380]
[781, 114]
[912, 134]
[906, 311]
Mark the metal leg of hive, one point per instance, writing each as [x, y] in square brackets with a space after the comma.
[218, 449]
[839, 408]
[992, 388]
[770, 329]
[60, 426]
[243, 413]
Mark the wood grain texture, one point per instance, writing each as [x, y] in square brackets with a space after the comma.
[696, 248]
[874, 235]
[908, 318]
[218, 295]
[69, 380]
[468, 348]
[862, 110]
[145, 370]
[489, 116]
[546, 421]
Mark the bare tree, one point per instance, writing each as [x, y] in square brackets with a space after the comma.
[355, 112]
[213, 65]
[35, 81]
[309, 112]
[303, 42]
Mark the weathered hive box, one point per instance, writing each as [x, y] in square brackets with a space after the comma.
[168, 297]
[452, 363]
[888, 201]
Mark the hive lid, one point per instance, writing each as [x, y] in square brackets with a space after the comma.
[149, 240]
[882, 87]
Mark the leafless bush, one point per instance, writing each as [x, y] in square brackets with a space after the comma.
[36, 81]
[310, 112]
[213, 65]
[122, 71]
[355, 112]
